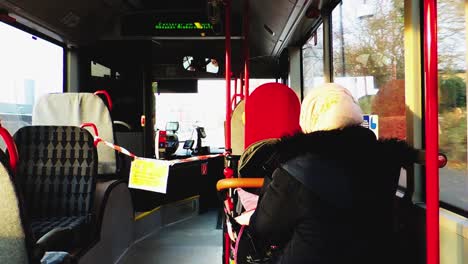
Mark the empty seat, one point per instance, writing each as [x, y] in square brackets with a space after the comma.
[57, 177]
[74, 109]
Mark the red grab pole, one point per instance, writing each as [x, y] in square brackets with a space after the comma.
[228, 75]
[246, 58]
[432, 130]
[228, 172]
[241, 84]
[236, 93]
[246, 49]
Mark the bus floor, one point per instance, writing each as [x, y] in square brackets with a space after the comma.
[192, 241]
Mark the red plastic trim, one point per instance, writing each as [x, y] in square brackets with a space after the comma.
[12, 150]
[96, 133]
[108, 98]
[93, 126]
[431, 127]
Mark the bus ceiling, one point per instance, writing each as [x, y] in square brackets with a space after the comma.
[272, 26]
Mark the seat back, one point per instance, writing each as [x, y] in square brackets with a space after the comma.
[57, 170]
[271, 111]
[74, 109]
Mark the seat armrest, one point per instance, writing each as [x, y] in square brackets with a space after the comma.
[103, 190]
[57, 239]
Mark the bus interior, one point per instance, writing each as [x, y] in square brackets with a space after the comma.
[161, 80]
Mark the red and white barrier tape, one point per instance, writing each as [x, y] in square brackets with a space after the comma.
[110, 145]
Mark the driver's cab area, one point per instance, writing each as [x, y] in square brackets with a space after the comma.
[188, 119]
[169, 147]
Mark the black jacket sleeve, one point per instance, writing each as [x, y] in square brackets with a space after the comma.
[277, 212]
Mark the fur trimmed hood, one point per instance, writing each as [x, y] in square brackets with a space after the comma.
[354, 144]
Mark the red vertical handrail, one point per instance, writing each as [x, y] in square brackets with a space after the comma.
[246, 58]
[235, 91]
[228, 172]
[226, 249]
[246, 49]
[241, 84]
[431, 127]
[11, 147]
[228, 75]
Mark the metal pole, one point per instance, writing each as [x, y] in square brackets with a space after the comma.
[228, 172]
[228, 75]
[241, 84]
[431, 127]
[246, 50]
[236, 93]
[246, 57]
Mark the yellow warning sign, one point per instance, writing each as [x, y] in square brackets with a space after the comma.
[149, 175]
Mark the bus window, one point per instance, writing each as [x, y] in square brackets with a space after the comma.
[195, 109]
[368, 59]
[29, 67]
[312, 61]
[452, 101]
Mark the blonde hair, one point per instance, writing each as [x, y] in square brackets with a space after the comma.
[329, 106]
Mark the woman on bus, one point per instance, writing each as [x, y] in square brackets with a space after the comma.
[330, 200]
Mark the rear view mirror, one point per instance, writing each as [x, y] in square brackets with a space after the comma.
[195, 64]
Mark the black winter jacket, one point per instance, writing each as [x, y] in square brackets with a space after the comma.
[331, 199]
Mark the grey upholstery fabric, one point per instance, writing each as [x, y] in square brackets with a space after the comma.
[41, 226]
[57, 175]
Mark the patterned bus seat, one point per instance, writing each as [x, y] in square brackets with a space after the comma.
[57, 176]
